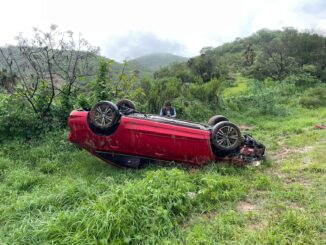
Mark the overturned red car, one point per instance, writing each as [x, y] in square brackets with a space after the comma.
[122, 136]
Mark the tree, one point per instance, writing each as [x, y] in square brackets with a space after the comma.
[208, 66]
[206, 50]
[101, 83]
[273, 61]
[249, 55]
[8, 78]
[49, 64]
[7, 81]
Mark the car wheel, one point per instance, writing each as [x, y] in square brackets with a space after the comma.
[226, 136]
[126, 104]
[216, 119]
[103, 118]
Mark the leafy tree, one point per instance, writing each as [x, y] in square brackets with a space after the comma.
[207, 66]
[101, 84]
[162, 90]
[206, 50]
[208, 93]
[49, 64]
[124, 83]
[180, 71]
[304, 77]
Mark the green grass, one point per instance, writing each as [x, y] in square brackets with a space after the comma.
[51, 192]
[239, 86]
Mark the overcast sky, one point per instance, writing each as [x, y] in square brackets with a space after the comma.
[125, 29]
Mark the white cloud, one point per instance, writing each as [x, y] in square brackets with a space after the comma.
[192, 24]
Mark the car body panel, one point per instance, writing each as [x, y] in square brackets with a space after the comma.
[145, 138]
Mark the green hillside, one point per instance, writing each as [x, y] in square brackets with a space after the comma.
[143, 67]
[154, 62]
[273, 54]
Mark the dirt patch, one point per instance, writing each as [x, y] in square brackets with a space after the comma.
[284, 152]
[294, 205]
[245, 207]
[296, 179]
[207, 216]
[257, 226]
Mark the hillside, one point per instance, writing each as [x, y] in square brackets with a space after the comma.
[273, 54]
[153, 62]
[145, 65]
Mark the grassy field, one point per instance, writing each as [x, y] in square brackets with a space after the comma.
[51, 192]
[239, 86]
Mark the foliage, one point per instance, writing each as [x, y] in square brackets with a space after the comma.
[275, 54]
[101, 83]
[154, 62]
[8, 80]
[192, 110]
[261, 100]
[208, 93]
[162, 90]
[180, 71]
[48, 65]
[305, 77]
[272, 65]
[17, 119]
[314, 98]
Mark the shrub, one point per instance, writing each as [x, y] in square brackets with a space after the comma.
[263, 100]
[17, 119]
[316, 97]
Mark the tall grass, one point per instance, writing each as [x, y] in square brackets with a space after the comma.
[52, 192]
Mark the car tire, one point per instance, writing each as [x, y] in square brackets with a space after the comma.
[126, 104]
[216, 119]
[226, 137]
[103, 118]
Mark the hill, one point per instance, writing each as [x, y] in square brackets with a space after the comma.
[273, 54]
[153, 62]
[145, 65]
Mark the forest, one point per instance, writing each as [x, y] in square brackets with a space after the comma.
[274, 81]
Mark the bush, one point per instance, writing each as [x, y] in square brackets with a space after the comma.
[206, 92]
[316, 97]
[306, 76]
[17, 119]
[262, 100]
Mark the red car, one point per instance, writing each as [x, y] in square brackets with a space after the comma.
[120, 135]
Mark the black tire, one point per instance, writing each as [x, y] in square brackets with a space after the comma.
[216, 119]
[126, 104]
[226, 137]
[103, 118]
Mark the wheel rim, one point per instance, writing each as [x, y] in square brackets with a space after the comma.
[103, 116]
[227, 136]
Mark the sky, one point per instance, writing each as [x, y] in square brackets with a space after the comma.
[125, 29]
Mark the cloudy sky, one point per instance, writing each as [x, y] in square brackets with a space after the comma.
[125, 29]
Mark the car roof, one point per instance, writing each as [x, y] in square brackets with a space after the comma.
[172, 121]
